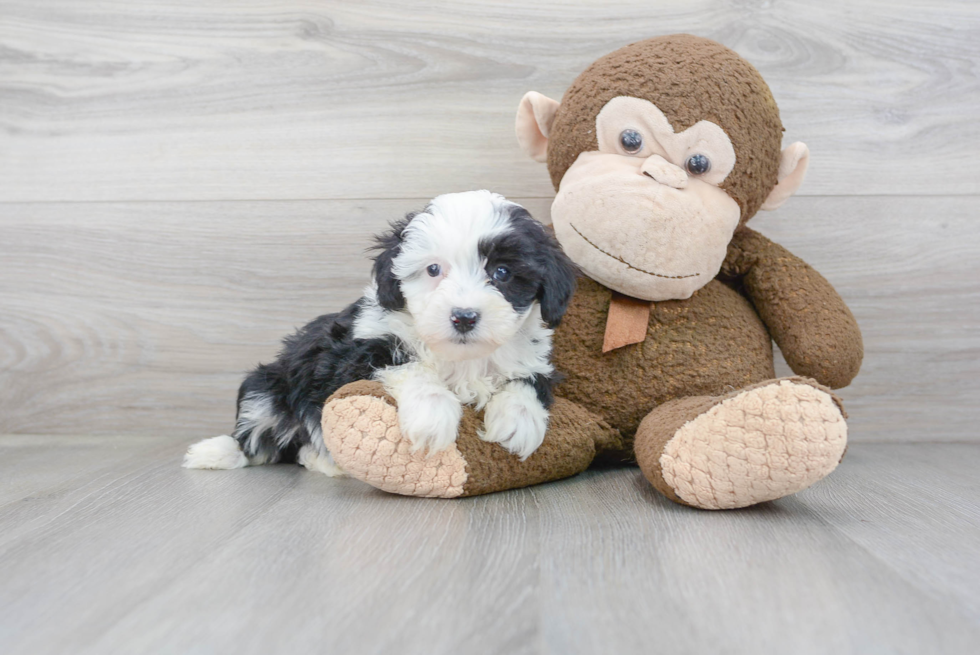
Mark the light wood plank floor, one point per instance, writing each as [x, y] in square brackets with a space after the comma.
[107, 546]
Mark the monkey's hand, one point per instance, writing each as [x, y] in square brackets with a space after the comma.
[807, 318]
[515, 419]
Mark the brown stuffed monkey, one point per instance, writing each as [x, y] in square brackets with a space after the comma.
[660, 153]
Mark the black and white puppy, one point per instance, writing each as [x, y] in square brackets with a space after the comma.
[460, 312]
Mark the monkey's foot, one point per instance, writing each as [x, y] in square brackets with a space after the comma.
[750, 446]
[360, 428]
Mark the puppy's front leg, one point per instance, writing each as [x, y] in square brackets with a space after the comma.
[516, 419]
[428, 413]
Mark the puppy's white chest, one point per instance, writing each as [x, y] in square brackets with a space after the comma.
[472, 382]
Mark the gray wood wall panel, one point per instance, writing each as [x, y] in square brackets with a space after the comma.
[140, 318]
[286, 99]
[182, 183]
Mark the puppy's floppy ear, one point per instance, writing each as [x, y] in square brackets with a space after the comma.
[389, 244]
[557, 272]
[558, 285]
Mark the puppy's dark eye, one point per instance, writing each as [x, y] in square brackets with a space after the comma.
[698, 164]
[631, 140]
[433, 270]
[502, 274]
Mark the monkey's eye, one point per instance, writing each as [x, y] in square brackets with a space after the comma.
[502, 274]
[433, 270]
[698, 164]
[631, 140]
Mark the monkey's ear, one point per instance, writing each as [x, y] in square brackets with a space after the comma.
[792, 170]
[535, 115]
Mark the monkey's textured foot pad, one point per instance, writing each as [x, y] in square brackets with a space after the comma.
[751, 446]
[360, 429]
[361, 432]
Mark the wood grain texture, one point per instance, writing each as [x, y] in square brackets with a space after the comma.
[142, 318]
[141, 556]
[184, 182]
[632, 572]
[909, 268]
[255, 99]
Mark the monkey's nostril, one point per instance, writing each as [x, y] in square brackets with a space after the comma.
[464, 320]
[668, 175]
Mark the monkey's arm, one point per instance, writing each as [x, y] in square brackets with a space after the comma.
[805, 315]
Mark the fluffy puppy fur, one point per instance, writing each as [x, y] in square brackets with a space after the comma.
[461, 311]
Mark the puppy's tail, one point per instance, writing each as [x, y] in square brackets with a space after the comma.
[222, 452]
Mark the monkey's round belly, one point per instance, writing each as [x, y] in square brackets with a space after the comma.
[710, 343]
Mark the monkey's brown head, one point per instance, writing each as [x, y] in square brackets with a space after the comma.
[659, 151]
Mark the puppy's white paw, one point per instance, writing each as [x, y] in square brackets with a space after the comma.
[516, 420]
[431, 421]
[319, 462]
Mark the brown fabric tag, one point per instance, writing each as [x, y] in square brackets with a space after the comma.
[627, 322]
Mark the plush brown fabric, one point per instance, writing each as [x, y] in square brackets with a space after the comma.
[657, 428]
[807, 318]
[709, 343]
[363, 388]
[569, 447]
[690, 79]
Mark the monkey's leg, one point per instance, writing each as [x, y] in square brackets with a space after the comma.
[360, 429]
[752, 445]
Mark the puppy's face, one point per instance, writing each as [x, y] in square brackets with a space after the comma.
[471, 269]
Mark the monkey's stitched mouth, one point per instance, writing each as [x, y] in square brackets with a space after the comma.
[623, 261]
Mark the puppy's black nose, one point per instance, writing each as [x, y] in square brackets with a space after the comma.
[464, 320]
